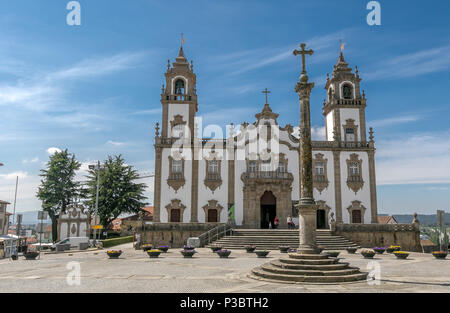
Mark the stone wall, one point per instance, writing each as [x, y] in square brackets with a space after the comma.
[173, 235]
[380, 235]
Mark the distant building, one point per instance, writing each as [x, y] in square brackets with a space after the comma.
[387, 220]
[4, 218]
[46, 236]
[133, 220]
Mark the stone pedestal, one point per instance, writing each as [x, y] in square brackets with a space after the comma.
[307, 228]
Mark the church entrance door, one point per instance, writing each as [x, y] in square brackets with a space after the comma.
[321, 219]
[268, 209]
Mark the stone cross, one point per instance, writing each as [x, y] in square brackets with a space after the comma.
[303, 52]
[266, 92]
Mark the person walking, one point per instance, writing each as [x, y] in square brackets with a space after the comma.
[290, 222]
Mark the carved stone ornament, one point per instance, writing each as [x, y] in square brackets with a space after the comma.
[176, 179]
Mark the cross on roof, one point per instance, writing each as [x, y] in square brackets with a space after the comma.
[303, 52]
[266, 92]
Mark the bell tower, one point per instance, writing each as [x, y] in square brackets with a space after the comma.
[179, 99]
[344, 107]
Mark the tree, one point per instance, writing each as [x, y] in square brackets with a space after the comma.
[58, 188]
[118, 191]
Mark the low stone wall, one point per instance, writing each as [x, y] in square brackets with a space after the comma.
[173, 235]
[380, 235]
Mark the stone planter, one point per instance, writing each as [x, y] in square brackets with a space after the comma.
[215, 248]
[262, 253]
[401, 254]
[332, 254]
[283, 249]
[223, 253]
[379, 250]
[114, 254]
[351, 250]
[163, 248]
[250, 248]
[187, 253]
[368, 254]
[31, 255]
[441, 255]
[147, 247]
[153, 253]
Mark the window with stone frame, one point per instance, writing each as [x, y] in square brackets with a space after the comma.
[176, 178]
[252, 166]
[356, 212]
[354, 173]
[350, 131]
[178, 126]
[347, 91]
[212, 211]
[175, 211]
[213, 178]
[320, 176]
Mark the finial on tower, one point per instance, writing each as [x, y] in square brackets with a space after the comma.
[157, 129]
[371, 137]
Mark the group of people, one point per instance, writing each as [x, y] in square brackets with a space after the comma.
[276, 222]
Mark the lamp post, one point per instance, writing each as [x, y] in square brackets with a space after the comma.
[97, 169]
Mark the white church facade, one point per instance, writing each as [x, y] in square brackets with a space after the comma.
[252, 176]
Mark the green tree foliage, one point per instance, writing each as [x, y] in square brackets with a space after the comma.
[118, 193]
[58, 188]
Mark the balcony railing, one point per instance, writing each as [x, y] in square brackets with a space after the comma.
[213, 176]
[176, 176]
[268, 175]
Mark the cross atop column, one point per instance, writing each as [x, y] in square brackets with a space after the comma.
[266, 92]
[303, 52]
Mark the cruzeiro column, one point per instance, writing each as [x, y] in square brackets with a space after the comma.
[307, 207]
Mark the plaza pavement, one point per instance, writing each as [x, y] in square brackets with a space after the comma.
[134, 271]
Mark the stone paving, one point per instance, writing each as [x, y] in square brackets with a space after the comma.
[134, 271]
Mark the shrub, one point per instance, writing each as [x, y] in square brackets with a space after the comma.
[116, 241]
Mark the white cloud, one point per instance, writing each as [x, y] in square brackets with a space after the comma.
[34, 160]
[417, 158]
[394, 120]
[53, 150]
[115, 143]
[13, 175]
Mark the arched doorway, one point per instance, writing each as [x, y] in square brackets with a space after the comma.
[268, 209]
[321, 219]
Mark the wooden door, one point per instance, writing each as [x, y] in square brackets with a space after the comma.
[175, 216]
[212, 216]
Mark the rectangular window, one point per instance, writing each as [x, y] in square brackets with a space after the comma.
[177, 131]
[177, 166]
[349, 134]
[281, 167]
[252, 166]
[266, 166]
[319, 168]
[213, 167]
[354, 169]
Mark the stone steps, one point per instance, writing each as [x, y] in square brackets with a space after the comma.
[334, 266]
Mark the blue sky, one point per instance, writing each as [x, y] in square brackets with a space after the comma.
[95, 88]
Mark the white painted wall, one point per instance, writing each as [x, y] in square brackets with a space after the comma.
[177, 109]
[330, 125]
[353, 114]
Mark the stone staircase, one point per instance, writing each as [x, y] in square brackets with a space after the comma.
[308, 268]
[270, 239]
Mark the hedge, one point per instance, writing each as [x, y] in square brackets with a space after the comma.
[116, 241]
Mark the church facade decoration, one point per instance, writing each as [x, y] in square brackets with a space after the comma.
[195, 178]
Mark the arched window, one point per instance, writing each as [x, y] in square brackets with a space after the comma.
[347, 91]
[179, 87]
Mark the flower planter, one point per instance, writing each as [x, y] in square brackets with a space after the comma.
[188, 248]
[147, 247]
[262, 253]
[283, 249]
[351, 250]
[440, 255]
[188, 253]
[223, 253]
[332, 254]
[392, 249]
[114, 254]
[401, 254]
[153, 253]
[214, 249]
[163, 248]
[250, 248]
[368, 254]
[379, 250]
[32, 255]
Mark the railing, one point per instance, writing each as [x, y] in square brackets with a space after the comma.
[267, 174]
[178, 97]
[215, 234]
[176, 176]
[213, 176]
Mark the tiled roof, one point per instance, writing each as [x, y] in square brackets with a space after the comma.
[386, 219]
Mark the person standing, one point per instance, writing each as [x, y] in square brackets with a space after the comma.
[275, 222]
[290, 222]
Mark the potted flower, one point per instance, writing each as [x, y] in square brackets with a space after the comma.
[188, 253]
[440, 254]
[379, 250]
[114, 254]
[223, 253]
[332, 254]
[147, 246]
[163, 248]
[153, 253]
[368, 253]
[401, 254]
[351, 250]
[31, 255]
[262, 253]
[186, 247]
[250, 248]
[392, 248]
[215, 248]
[292, 250]
[283, 249]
